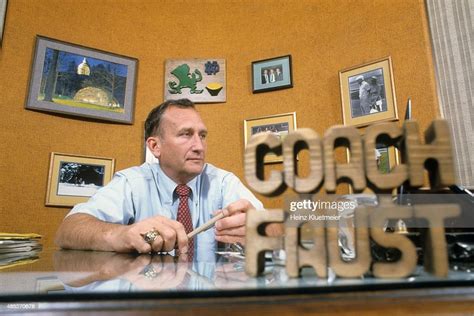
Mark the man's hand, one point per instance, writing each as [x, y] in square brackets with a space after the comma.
[231, 229]
[171, 233]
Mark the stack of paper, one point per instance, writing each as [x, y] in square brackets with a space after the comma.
[18, 248]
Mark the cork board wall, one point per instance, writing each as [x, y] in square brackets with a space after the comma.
[322, 36]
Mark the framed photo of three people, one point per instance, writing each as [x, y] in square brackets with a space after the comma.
[368, 93]
[271, 74]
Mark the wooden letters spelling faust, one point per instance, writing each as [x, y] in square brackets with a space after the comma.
[435, 156]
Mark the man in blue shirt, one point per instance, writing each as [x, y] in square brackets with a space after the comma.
[140, 201]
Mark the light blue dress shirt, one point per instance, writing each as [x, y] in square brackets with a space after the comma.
[137, 193]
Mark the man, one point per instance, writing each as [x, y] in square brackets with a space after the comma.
[375, 98]
[139, 209]
[279, 74]
[265, 78]
[364, 89]
[272, 77]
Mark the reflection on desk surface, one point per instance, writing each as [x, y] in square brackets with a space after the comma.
[108, 272]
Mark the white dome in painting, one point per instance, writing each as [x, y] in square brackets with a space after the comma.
[83, 68]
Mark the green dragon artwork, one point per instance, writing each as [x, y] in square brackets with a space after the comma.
[186, 80]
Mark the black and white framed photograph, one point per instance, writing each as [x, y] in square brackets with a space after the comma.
[74, 178]
[279, 124]
[368, 93]
[271, 74]
[76, 80]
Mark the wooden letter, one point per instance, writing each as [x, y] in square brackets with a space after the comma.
[256, 243]
[258, 146]
[438, 147]
[353, 170]
[407, 263]
[436, 253]
[361, 264]
[293, 143]
[399, 173]
[297, 256]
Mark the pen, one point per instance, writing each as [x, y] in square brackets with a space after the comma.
[209, 223]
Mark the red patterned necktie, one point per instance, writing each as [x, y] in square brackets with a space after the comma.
[184, 214]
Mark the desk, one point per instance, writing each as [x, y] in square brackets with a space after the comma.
[64, 281]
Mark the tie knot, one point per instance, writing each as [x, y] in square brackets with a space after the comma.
[183, 190]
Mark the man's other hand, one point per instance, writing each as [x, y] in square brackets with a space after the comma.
[231, 229]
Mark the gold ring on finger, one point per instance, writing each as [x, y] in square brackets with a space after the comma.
[150, 236]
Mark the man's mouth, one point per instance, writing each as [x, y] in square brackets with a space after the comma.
[195, 159]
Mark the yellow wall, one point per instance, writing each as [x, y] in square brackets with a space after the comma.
[322, 36]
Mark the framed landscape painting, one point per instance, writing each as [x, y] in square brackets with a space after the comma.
[76, 80]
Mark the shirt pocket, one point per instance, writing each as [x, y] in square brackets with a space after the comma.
[208, 207]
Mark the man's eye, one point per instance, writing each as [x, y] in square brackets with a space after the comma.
[203, 136]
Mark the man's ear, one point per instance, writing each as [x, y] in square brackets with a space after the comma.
[154, 145]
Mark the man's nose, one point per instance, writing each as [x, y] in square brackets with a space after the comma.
[198, 143]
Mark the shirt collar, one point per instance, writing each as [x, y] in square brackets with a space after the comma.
[168, 186]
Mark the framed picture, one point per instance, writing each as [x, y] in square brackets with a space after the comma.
[76, 80]
[368, 93]
[200, 80]
[3, 13]
[272, 74]
[387, 158]
[74, 178]
[280, 125]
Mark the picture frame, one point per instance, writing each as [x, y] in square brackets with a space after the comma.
[3, 14]
[81, 81]
[281, 124]
[199, 80]
[272, 74]
[74, 178]
[387, 158]
[368, 93]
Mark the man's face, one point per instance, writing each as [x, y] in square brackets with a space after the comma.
[182, 144]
